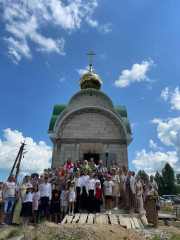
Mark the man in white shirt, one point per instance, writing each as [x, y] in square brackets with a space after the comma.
[45, 197]
[84, 198]
[78, 183]
[90, 189]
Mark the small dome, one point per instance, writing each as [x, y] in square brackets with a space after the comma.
[90, 80]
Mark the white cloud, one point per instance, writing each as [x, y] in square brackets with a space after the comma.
[136, 74]
[36, 159]
[25, 21]
[154, 145]
[165, 94]
[173, 96]
[105, 28]
[62, 80]
[47, 64]
[168, 132]
[175, 99]
[152, 162]
[93, 23]
[82, 71]
[103, 56]
[133, 125]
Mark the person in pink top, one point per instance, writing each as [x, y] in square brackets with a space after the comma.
[35, 203]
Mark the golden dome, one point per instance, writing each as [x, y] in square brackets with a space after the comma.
[90, 80]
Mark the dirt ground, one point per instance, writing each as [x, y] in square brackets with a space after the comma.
[53, 231]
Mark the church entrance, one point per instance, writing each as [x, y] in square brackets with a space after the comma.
[87, 156]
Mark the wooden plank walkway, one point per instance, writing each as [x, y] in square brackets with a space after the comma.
[127, 221]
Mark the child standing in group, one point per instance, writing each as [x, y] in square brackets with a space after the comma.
[64, 201]
[35, 203]
[96, 179]
[72, 197]
[26, 211]
[90, 189]
[55, 202]
[108, 190]
[98, 197]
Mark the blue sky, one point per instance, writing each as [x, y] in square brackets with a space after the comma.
[43, 47]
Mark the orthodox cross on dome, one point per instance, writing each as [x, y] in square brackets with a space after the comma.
[90, 65]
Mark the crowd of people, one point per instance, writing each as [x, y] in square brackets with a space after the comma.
[77, 187]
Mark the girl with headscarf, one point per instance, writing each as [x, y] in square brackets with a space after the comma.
[129, 191]
[150, 206]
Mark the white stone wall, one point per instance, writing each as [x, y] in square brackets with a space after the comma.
[77, 151]
[120, 151]
[90, 98]
[91, 125]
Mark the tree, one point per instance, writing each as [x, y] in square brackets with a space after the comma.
[34, 175]
[178, 178]
[168, 179]
[143, 175]
[158, 178]
[47, 170]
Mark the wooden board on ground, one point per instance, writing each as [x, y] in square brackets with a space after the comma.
[104, 218]
[64, 220]
[136, 222]
[144, 220]
[128, 223]
[76, 218]
[69, 219]
[97, 218]
[113, 219]
[166, 216]
[132, 223]
[83, 218]
[90, 218]
[140, 223]
[122, 221]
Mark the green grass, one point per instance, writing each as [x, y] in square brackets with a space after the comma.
[12, 233]
[158, 238]
[42, 220]
[174, 237]
[35, 238]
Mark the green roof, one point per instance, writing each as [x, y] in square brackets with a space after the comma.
[121, 110]
[59, 108]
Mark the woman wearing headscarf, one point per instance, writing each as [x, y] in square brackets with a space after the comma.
[150, 206]
[139, 193]
[22, 189]
[129, 191]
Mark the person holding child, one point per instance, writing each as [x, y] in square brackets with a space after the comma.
[108, 187]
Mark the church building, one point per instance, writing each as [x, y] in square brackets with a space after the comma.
[90, 125]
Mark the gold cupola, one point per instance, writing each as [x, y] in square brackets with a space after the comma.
[90, 79]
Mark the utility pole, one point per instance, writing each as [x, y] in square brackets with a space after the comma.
[18, 159]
